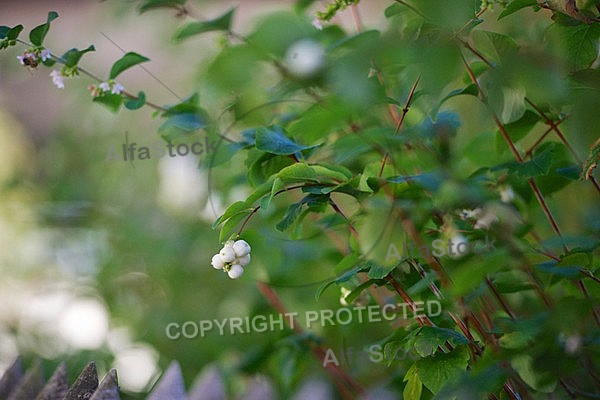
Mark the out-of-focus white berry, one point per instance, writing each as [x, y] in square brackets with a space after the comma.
[305, 58]
[573, 344]
[243, 260]
[241, 248]
[217, 261]
[227, 254]
[229, 243]
[507, 194]
[460, 245]
[235, 271]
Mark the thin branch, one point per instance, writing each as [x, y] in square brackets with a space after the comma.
[335, 372]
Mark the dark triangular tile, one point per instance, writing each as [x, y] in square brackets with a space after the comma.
[170, 386]
[57, 387]
[85, 385]
[11, 378]
[31, 384]
[109, 387]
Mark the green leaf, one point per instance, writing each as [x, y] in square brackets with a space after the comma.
[229, 226]
[134, 104]
[350, 297]
[234, 209]
[345, 277]
[337, 173]
[181, 125]
[519, 129]
[428, 338]
[265, 166]
[441, 368]
[260, 192]
[127, 61]
[273, 140]
[298, 172]
[38, 34]
[468, 90]
[580, 43]
[153, 4]
[4, 30]
[379, 271]
[515, 6]
[112, 101]
[187, 106]
[222, 23]
[539, 165]
[291, 215]
[72, 57]
[13, 33]
[495, 46]
[414, 386]
[428, 180]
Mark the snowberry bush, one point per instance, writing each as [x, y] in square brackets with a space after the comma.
[453, 121]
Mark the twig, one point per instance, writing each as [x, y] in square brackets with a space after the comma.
[335, 372]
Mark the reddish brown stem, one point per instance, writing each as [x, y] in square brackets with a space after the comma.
[335, 372]
[498, 297]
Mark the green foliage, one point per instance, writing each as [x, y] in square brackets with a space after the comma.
[72, 57]
[222, 23]
[38, 34]
[129, 60]
[439, 123]
[157, 4]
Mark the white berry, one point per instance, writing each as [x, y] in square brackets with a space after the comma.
[217, 261]
[235, 271]
[229, 243]
[244, 260]
[305, 58]
[241, 248]
[227, 254]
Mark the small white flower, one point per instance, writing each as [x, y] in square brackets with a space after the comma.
[243, 260]
[227, 254]
[57, 79]
[117, 88]
[45, 54]
[235, 271]
[507, 194]
[470, 214]
[345, 292]
[241, 248]
[305, 58]
[486, 220]
[317, 23]
[21, 58]
[104, 86]
[217, 262]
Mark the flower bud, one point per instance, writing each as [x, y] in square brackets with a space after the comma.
[227, 254]
[217, 262]
[241, 248]
[235, 271]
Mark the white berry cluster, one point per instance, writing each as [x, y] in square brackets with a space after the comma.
[232, 258]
